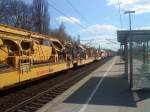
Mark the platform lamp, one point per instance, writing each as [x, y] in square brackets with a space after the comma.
[130, 45]
[129, 13]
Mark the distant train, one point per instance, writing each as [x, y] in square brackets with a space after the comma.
[25, 56]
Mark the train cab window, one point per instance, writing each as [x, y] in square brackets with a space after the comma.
[12, 45]
[46, 42]
[57, 44]
[25, 45]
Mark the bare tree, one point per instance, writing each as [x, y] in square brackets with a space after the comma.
[61, 33]
[41, 16]
[33, 17]
[16, 13]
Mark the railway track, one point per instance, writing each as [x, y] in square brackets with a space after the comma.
[34, 103]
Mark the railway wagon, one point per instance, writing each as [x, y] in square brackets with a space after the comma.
[26, 55]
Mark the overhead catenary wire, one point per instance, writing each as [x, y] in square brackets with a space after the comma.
[120, 15]
[61, 12]
[77, 11]
[64, 14]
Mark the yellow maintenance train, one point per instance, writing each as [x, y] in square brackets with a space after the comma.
[26, 55]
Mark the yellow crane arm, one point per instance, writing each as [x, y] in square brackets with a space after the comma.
[19, 34]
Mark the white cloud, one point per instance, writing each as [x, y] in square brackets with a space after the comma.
[71, 20]
[123, 2]
[105, 41]
[139, 6]
[100, 28]
[101, 34]
[143, 28]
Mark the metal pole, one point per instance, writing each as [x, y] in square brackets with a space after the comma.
[130, 21]
[130, 50]
[144, 52]
[121, 25]
[147, 56]
[131, 60]
[126, 57]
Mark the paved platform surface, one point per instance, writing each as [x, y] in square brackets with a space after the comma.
[104, 90]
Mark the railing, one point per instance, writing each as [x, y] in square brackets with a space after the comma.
[25, 62]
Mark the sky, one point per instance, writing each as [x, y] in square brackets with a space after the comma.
[98, 20]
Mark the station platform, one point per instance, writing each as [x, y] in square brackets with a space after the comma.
[105, 90]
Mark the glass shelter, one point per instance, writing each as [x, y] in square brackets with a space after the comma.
[136, 54]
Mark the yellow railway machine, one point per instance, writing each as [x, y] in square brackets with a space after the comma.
[26, 55]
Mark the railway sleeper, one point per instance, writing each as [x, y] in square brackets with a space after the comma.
[56, 92]
[21, 110]
[46, 98]
[31, 107]
[61, 89]
[43, 101]
[50, 96]
[37, 103]
[53, 95]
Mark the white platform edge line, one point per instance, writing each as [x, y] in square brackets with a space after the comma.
[71, 90]
[84, 107]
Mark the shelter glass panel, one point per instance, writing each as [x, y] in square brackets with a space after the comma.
[141, 64]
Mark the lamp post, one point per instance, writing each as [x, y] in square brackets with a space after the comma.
[129, 13]
[130, 46]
